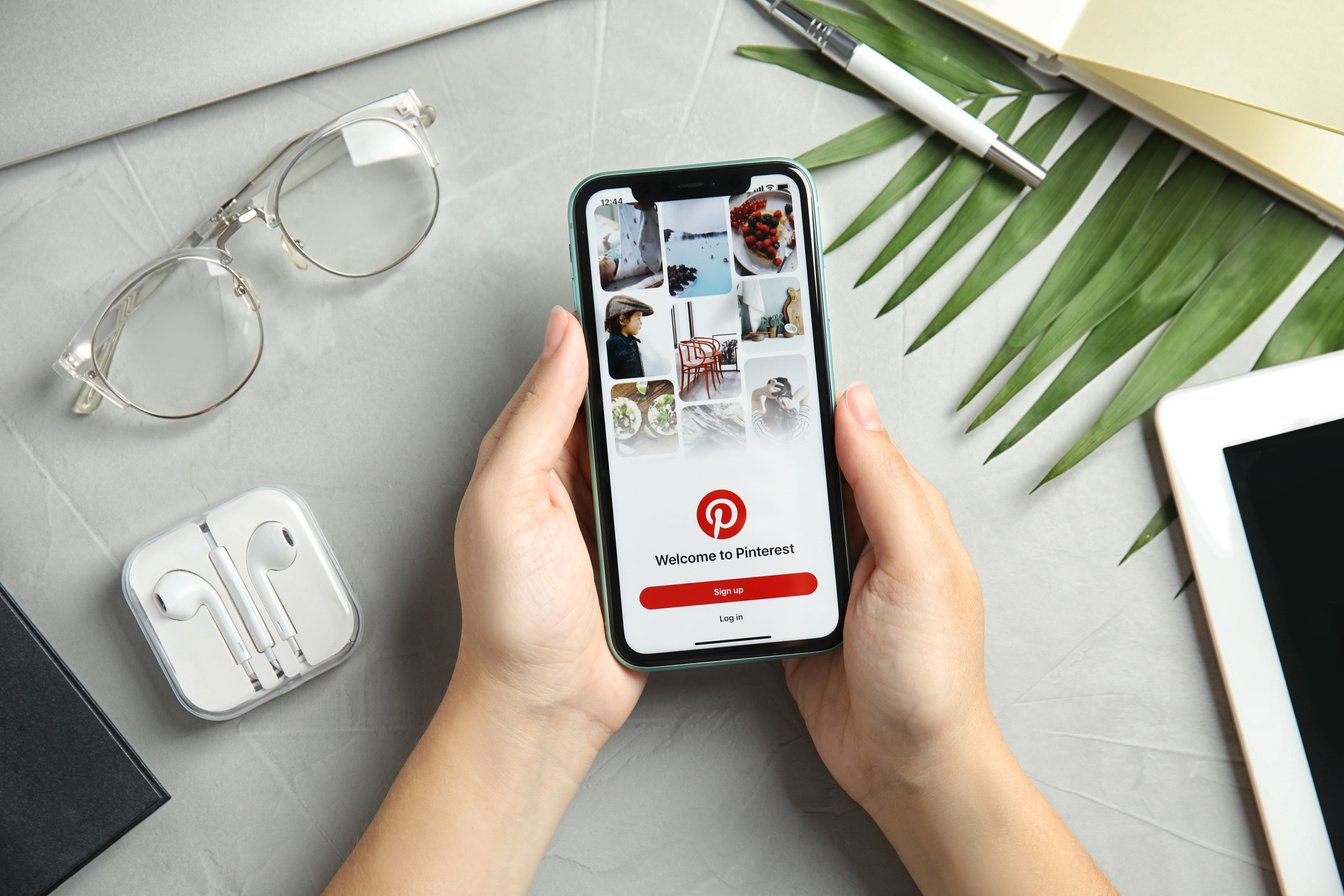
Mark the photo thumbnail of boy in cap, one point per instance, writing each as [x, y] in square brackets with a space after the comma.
[624, 318]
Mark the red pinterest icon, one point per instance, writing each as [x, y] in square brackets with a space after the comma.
[721, 514]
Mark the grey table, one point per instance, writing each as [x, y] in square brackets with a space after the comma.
[371, 400]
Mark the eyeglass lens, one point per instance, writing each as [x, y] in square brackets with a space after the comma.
[185, 339]
[359, 200]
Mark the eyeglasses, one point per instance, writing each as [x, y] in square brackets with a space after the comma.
[355, 197]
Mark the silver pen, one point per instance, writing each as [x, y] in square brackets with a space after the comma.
[907, 91]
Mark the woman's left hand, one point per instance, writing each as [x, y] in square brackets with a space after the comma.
[536, 692]
[532, 630]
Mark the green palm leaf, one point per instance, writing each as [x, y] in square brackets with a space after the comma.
[1234, 295]
[960, 175]
[1227, 218]
[1026, 227]
[1316, 323]
[949, 76]
[1161, 223]
[866, 139]
[957, 42]
[1149, 252]
[809, 63]
[1070, 175]
[1165, 516]
[932, 153]
[1110, 220]
[1314, 326]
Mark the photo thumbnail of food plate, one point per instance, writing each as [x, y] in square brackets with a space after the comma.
[644, 418]
[762, 234]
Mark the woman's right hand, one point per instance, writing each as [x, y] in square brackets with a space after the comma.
[909, 682]
[900, 714]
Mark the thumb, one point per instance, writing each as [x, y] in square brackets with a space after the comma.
[887, 492]
[532, 429]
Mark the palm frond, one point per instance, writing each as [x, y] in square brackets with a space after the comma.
[1316, 323]
[914, 172]
[1163, 220]
[1071, 174]
[1111, 219]
[866, 139]
[1192, 246]
[951, 77]
[994, 193]
[1227, 218]
[952, 39]
[809, 63]
[1165, 516]
[962, 173]
[1243, 285]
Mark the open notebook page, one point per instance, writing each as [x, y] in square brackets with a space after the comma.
[1303, 156]
[1279, 56]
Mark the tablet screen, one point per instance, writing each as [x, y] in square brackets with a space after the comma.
[1290, 493]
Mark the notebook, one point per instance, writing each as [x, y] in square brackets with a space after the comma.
[1252, 83]
[70, 784]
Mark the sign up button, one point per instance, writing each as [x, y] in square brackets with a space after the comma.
[725, 591]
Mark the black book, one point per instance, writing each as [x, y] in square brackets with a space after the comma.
[70, 784]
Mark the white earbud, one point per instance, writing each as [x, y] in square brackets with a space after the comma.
[242, 602]
[181, 594]
[270, 549]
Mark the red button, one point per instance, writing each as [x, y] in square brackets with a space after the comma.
[727, 591]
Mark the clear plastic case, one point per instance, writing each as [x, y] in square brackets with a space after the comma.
[288, 608]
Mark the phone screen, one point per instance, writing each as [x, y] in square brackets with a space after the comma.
[711, 412]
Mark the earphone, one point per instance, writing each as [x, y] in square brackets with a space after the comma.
[181, 594]
[242, 601]
[271, 549]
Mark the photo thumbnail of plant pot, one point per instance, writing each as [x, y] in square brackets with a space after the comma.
[644, 418]
[781, 405]
[770, 308]
[705, 342]
[763, 237]
[713, 428]
[695, 232]
[627, 248]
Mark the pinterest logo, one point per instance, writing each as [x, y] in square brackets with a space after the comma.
[721, 514]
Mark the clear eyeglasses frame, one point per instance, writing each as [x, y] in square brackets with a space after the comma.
[355, 197]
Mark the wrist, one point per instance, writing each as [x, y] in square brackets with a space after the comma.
[904, 782]
[478, 800]
[929, 805]
[970, 821]
[550, 733]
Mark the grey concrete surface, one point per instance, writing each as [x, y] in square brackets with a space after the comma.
[370, 402]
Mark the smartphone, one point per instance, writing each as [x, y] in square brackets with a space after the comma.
[710, 408]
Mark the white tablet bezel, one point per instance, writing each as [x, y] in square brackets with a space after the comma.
[1194, 425]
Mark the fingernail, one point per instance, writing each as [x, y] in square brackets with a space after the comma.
[555, 331]
[862, 406]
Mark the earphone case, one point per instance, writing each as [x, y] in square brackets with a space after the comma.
[192, 653]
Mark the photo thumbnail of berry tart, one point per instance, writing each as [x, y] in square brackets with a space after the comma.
[763, 235]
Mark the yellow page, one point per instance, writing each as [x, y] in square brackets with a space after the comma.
[1283, 56]
[1305, 157]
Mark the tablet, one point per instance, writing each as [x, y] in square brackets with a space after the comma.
[1257, 468]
